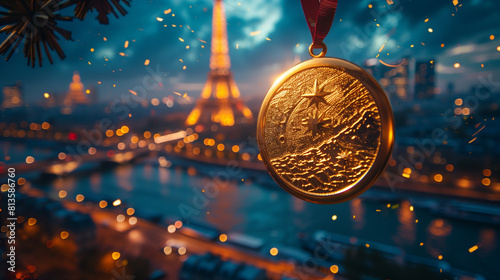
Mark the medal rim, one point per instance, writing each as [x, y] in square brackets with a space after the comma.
[386, 135]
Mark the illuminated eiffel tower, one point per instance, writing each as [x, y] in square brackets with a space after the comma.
[220, 98]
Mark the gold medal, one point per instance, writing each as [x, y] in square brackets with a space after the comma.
[325, 130]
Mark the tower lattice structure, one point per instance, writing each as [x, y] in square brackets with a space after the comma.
[220, 100]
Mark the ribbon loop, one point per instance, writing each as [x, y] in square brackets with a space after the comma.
[319, 17]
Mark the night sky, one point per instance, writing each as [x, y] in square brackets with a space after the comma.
[465, 29]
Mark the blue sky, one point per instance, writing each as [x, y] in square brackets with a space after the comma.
[464, 29]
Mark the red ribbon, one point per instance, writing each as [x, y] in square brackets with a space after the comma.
[319, 17]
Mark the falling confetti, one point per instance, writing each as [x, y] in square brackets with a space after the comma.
[381, 48]
[473, 248]
[167, 11]
[255, 33]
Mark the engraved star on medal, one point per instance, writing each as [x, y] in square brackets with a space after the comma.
[316, 94]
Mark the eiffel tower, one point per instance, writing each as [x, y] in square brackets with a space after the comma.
[220, 98]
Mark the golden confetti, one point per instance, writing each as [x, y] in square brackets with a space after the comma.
[273, 251]
[426, 20]
[184, 67]
[381, 48]
[167, 11]
[456, 65]
[334, 269]
[430, 30]
[268, 39]
[92, 50]
[473, 248]
[390, 2]
[146, 62]
[126, 44]
[474, 139]
[180, 59]
[187, 47]
[122, 54]
[498, 48]
[438, 178]
[105, 39]
[370, 6]
[237, 46]
[177, 93]
[180, 39]
[492, 37]
[254, 33]
[204, 42]
[455, 2]
[412, 46]
[133, 92]
[159, 19]
[442, 45]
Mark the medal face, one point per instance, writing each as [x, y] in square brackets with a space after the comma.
[325, 130]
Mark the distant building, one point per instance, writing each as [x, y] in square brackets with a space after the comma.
[12, 96]
[76, 94]
[394, 80]
[425, 79]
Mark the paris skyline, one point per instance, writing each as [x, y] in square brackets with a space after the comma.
[265, 38]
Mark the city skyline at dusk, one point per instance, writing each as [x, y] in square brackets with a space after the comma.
[261, 46]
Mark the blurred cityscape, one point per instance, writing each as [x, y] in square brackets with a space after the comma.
[174, 187]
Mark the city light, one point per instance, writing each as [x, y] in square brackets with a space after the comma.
[31, 221]
[334, 269]
[64, 235]
[171, 228]
[120, 218]
[273, 251]
[103, 204]
[62, 194]
[115, 255]
[438, 178]
[30, 159]
[167, 250]
[223, 238]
